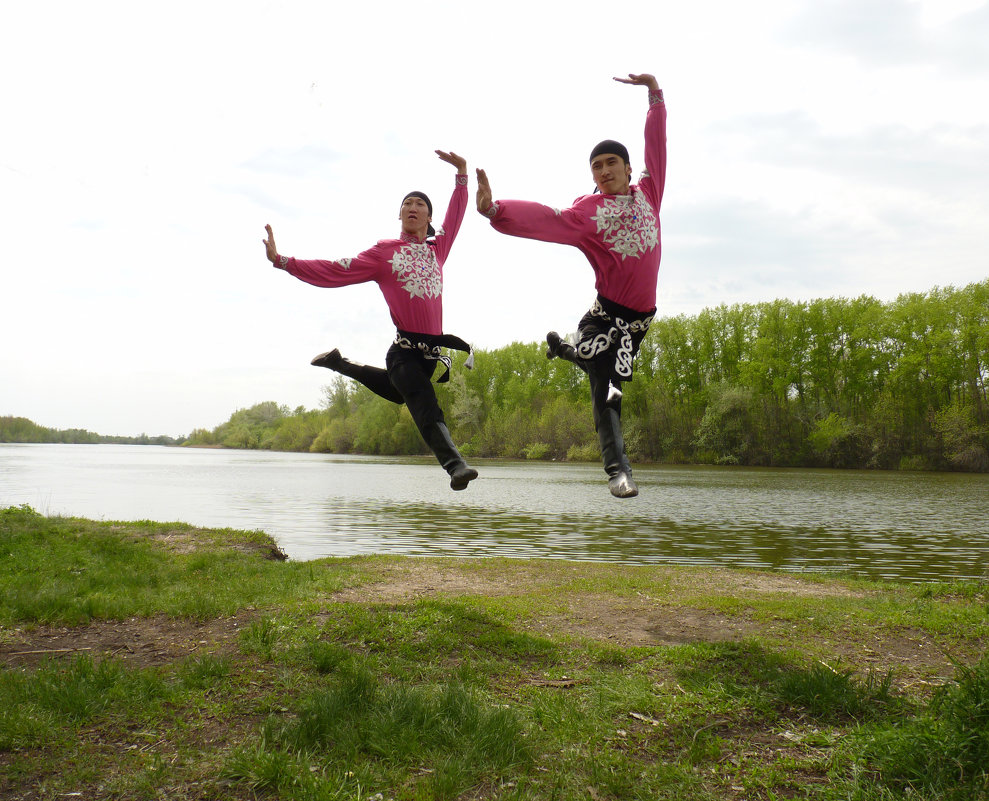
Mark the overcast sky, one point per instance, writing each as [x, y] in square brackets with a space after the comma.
[817, 148]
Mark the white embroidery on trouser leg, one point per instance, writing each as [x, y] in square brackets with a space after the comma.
[623, 359]
[604, 333]
[590, 348]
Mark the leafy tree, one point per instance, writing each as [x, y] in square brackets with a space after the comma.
[21, 429]
[727, 428]
[839, 442]
[836, 381]
[959, 438]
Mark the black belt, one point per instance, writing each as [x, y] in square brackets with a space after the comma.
[431, 345]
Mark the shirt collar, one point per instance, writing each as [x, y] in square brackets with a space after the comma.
[632, 188]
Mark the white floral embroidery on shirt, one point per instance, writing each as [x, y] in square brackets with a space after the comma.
[628, 224]
[417, 271]
[345, 263]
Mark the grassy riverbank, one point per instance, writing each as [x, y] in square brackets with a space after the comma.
[148, 660]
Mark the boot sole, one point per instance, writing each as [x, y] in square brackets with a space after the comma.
[460, 482]
[331, 359]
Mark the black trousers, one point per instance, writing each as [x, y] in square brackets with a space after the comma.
[405, 379]
[599, 372]
[601, 368]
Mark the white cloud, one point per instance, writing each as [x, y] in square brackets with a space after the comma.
[815, 150]
[948, 35]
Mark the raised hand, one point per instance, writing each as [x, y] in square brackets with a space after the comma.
[483, 191]
[457, 161]
[269, 245]
[641, 80]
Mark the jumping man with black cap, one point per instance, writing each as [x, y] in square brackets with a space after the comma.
[617, 229]
[409, 272]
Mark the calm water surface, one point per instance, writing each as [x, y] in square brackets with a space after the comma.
[911, 526]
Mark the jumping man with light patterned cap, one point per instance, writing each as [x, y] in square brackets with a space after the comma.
[617, 229]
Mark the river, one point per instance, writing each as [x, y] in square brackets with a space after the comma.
[895, 525]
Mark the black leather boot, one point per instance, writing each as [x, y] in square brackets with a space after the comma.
[437, 436]
[331, 360]
[616, 464]
[374, 378]
[557, 347]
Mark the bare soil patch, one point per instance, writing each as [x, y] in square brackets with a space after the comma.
[142, 642]
[622, 621]
[649, 621]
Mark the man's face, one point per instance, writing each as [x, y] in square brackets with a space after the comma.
[414, 215]
[611, 174]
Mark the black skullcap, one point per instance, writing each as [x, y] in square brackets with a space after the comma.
[430, 231]
[610, 146]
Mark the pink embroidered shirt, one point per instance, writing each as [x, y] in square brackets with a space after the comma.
[408, 272]
[619, 234]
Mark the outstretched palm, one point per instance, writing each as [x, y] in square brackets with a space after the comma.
[645, 79]
[457, 161]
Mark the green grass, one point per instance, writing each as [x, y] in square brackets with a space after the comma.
[312, 695]
[92, 571]
[40, 706]
[384, 728]
[942, 752]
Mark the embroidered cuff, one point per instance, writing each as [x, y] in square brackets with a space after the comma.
[656, 97]
[492, 211]
[281, 262]
[461, 180]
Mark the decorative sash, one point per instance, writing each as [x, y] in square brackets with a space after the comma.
[431, 345]
[607, 325]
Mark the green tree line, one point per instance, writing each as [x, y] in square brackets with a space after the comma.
[832, 382]
[21, 429]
